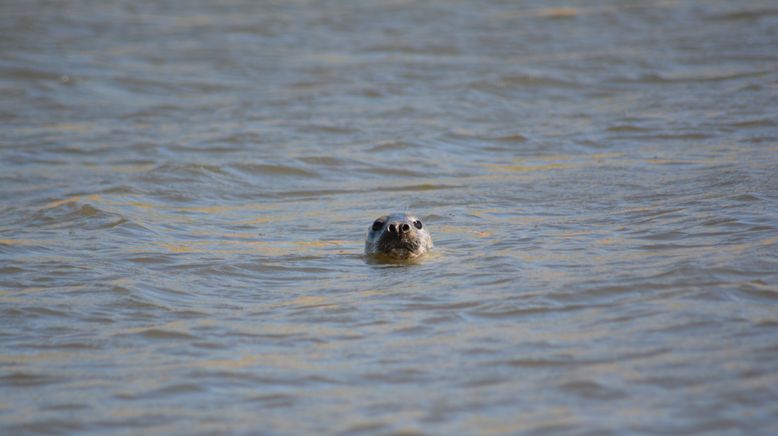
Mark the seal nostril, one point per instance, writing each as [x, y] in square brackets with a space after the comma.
[392, 228]
[404, 228]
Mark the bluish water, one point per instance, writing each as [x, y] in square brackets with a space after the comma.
[185, 189]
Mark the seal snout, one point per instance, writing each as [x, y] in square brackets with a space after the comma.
[398, 228]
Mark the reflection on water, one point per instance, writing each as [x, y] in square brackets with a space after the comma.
[186, 189]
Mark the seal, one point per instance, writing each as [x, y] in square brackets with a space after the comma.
[397, 236]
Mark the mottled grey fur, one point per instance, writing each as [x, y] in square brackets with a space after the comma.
[398, 244]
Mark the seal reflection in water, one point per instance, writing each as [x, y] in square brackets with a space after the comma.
[397, 236]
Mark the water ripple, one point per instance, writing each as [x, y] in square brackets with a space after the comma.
[186, 190]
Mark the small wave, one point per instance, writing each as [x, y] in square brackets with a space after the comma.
[626, 128]
[443, 306]
[166, 391]
[390, 146]
[159, 333]
[512, 138]
[694, 75]
[187, 169]
[327, 128]
[27, 379]
[757, 291]
[74, 214]
[273, 170]
[592, 389]
[743, 15]
[273, 400]
[315, 193]
[662, 136]
[503, 310]
[505, 83]
[759, 122]
[418, 188]
[426, 50]
[396, 172]
[537, 80]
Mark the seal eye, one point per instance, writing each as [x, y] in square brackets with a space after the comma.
[417, 224]
[377, 226]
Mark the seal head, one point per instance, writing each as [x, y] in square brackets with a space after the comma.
[398, 236]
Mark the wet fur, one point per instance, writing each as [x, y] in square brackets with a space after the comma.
[410, 245]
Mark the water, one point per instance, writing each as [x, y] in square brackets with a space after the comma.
[186, 186]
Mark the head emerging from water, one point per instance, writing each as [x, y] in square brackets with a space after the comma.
[397, 236]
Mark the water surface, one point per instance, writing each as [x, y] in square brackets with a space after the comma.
[185, 189]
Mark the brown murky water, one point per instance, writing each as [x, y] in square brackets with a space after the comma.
[185, 189]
